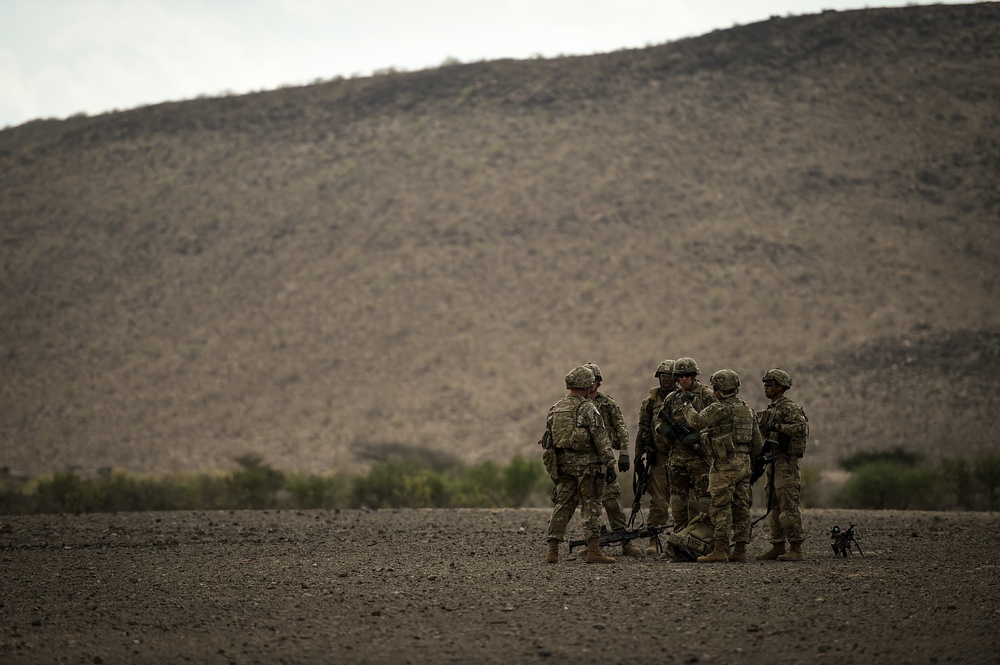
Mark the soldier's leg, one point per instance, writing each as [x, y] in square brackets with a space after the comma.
[680, 484]
[774, 516]
[659, 491]
[698, 472]
[721, 486]
[565, 499]
[590, 499]
[741, 512]
[788, 484]
[609, 500]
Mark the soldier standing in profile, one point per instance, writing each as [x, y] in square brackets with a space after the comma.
[729, 430]
[584, 461]
[614, 422]
[656, 448]
[688, 467]
[785, 423]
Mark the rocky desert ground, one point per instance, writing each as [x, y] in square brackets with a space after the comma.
[461, 586]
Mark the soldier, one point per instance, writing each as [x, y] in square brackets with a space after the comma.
[584, 460]
[614, 422]
[656, 448]
[785, 423]
[688, 468]
[730, 436]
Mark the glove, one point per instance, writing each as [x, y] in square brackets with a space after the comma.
[610, 476]
[623, 463]
[687, 398]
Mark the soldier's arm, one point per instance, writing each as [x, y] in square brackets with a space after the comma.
[599, 435]
[617, 425]
[792, 421]
[699, 420]
[643, 432]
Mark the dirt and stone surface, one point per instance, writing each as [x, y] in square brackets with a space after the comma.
[461, 586]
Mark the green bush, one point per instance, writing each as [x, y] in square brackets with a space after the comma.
[986, 471]
[898, 455]
[890, 485]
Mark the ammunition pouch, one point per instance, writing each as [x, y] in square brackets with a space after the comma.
[551, 463]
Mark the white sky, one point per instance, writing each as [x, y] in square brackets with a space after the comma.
[61, 57]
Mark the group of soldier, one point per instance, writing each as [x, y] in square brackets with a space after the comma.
[698, 448]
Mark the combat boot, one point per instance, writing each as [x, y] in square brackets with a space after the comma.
[594, 554]
[794, 553]
[651, 548]
[629, 548]
[553, 553]
[777, 549]
[739, 554]
[719, 555]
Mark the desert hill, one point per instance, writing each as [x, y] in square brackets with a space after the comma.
[412, 261]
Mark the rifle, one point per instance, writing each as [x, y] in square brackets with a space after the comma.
[842, 541]
[625, 535]
[682, 433]
[640, 481]
[765, 458]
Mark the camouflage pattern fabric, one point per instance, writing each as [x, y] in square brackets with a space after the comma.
[729, 474]
[687, 472]
[658, 487]
[577, 484]
[785, 519]
[583, 452]
[645, 434]
[614, 421]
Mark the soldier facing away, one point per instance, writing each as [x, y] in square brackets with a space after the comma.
[785, 424]
[614, 422]
[729, 431]
[656, 447]
[582, 461]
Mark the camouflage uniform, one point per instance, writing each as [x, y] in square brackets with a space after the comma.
[618, 434]
[784, 482]
[650, 442]
[730, 436]
[583, 451]
[688, 470]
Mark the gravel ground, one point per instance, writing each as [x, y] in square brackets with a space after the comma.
[461, 586]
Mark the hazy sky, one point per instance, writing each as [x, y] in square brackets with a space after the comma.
[60, 57]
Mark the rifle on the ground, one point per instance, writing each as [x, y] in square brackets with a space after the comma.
[640, 481]
[842, 541]
[625, 535]
[681, 433]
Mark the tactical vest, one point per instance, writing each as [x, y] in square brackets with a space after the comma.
[568, 430]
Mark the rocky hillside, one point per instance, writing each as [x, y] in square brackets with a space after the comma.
[411, 262]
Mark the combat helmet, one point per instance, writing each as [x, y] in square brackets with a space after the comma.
[579, 378]
[595, 369]
[666, 367]
[725, 381]
[779, 376]
[686, 366]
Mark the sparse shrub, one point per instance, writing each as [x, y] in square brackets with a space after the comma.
[956, 476]
[313, 491]
[396, 484]
[809, 496]
[254, 485]
[890, 485]
[898, 455]
[986, 470]
[522, 478]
